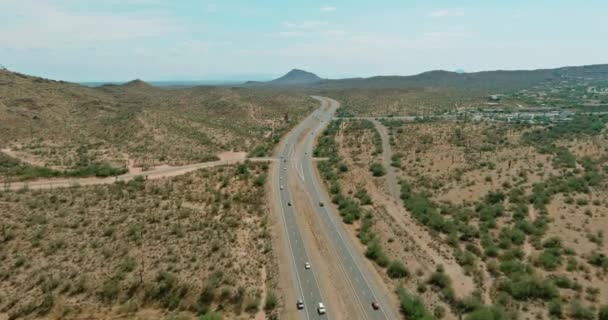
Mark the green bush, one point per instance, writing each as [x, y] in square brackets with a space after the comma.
[211, 316]
[374, 252]
[271, 301]
[487, 313]
[440, 280]
[529, 287]
[413, 307]
[109, 290]
[580, 312]
[397, 270]
[602, 313]
[555, 308]
[377, 169]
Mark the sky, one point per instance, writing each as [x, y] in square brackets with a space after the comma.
[181, 40]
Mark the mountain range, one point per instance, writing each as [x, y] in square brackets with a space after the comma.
[485, 80]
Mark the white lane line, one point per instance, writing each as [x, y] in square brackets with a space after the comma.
[298, 166]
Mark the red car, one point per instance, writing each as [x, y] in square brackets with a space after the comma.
[375, 305]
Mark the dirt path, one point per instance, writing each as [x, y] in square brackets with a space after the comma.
[156, 173]
[436, 253]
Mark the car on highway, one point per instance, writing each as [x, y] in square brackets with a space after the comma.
[289, 204]
[321, 204]
[375, 305]
[300, 304]
[321, 308]
[307, 265]
[281, 187]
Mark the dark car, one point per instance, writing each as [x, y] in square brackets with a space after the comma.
[289, 204]
[321, 204]
[375, 305]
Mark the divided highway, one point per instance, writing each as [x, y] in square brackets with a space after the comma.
[360, 279]
[304, 280]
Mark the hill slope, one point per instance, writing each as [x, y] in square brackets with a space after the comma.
[61, 125]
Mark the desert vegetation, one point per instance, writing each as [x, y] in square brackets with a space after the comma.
[520, 207]
[169, 248]
[58, 128]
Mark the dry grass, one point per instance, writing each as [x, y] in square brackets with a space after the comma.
[192, 243]
[61, 125]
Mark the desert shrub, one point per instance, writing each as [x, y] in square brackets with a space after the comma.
[167, 290]
[602, 313]
[271, 301]
[363, 196]
[494, 197]
[599, 260]
[252, 304]
[413, 307]
[487, 313]
[259, 180]
[529, 287]
[377, 169]
[348, 209]
[374, 252]
[580, 312]
[555, 308]
[211, 316]
[365, 233]
[109, 290]
[440, 279]
[397, 270]
[550, 259]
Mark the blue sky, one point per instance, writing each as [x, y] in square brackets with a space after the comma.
[117, 40]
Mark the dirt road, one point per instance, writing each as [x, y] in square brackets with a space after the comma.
[156, 173]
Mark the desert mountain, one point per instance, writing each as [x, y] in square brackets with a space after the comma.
[481, 81]
[295, 77]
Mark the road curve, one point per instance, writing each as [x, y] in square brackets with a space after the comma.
[360, 277]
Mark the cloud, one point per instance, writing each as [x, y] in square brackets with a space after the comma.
[446, 34]
[287, 34]
[328, 9]
[446, 13]
[42, 24]
[306, 25]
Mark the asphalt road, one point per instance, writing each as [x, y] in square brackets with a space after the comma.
[304, 280]
[358, 273]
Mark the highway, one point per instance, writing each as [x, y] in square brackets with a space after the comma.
[358, 273]
[295, 159]
[304, 280]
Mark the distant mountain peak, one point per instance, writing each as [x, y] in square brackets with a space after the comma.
[296, 77]
[137, 83]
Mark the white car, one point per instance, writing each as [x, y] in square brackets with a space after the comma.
[307, 265]
[281, 187]
[321, 308]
